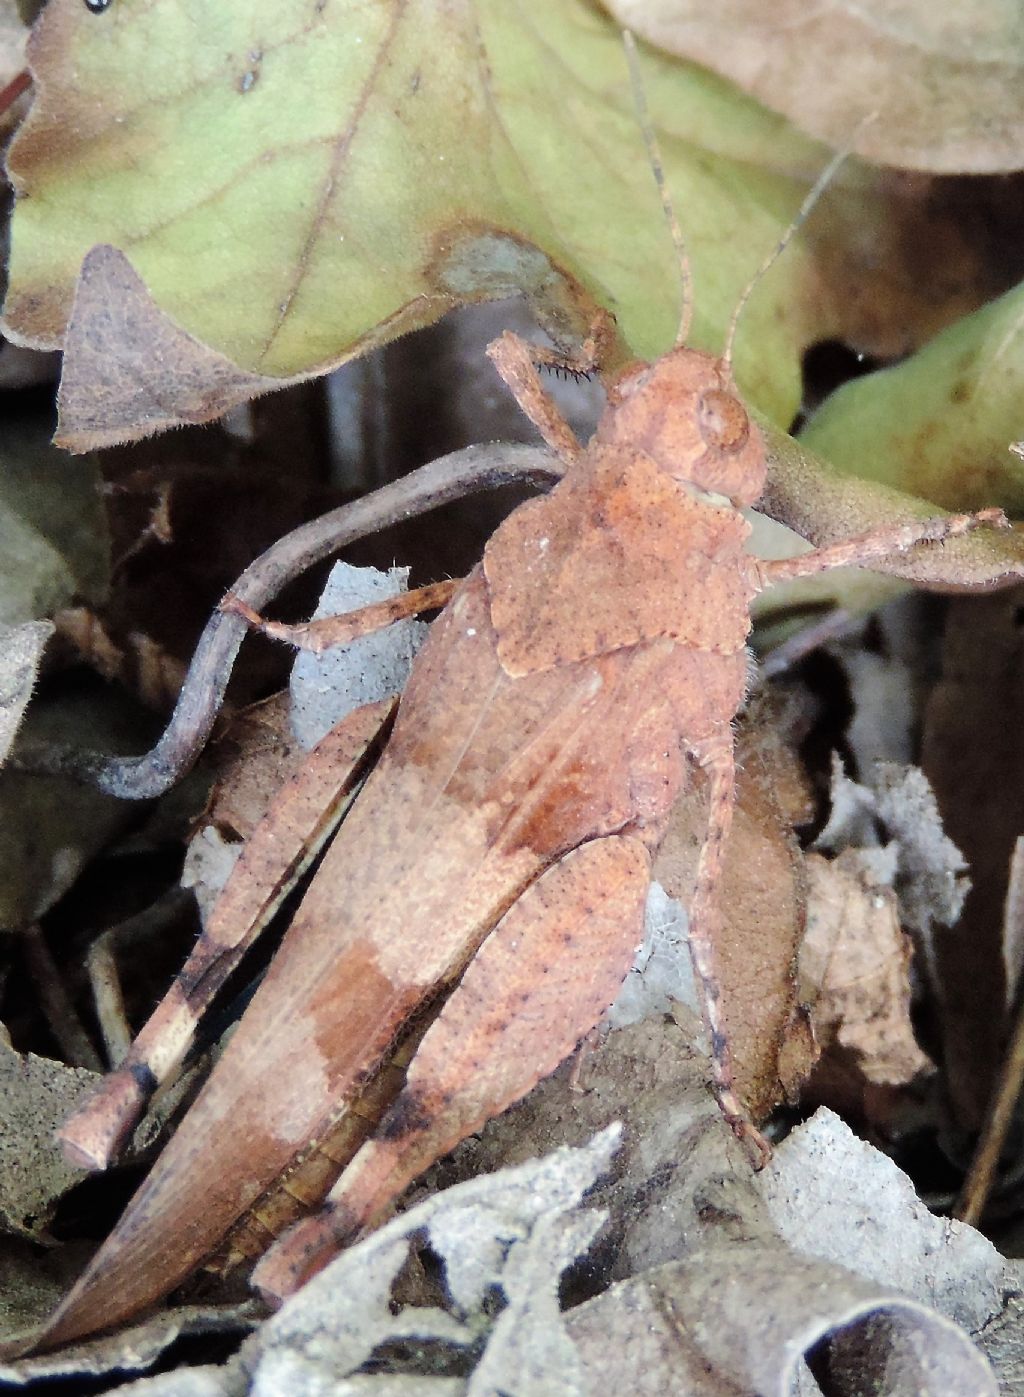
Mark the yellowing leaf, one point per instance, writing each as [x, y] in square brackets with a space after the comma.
[294, 182]
[943, 80]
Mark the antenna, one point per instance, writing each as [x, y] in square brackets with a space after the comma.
[654, 155]
[813, 195]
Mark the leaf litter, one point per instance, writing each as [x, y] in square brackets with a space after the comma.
[677, 1169]
[644, 1274]
[763, 1284]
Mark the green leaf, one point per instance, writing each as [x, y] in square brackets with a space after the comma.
[296, 182]
[54, 546]
[940, 424]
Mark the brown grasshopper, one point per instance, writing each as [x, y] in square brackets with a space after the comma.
[497, 859]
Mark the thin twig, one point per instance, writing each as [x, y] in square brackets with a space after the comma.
[797, 647]
[984, 1166]
[104, 977]
[55, 1002]
[109, 1001]
[21, 82]
[449, 478]
[978, 1184]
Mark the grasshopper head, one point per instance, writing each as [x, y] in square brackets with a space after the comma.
[684, 413]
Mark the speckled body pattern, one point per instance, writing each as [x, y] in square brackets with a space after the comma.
[497, 859]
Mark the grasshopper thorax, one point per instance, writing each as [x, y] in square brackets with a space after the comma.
[683, 412]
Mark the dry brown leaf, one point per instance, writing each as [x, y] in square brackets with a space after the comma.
[121, 348]
[854, 975]
[1013, 925]
[761, 901]
[890, 832]
[255, 756]
[943, 80]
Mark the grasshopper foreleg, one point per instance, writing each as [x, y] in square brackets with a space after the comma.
[329, 631]
[516, 360]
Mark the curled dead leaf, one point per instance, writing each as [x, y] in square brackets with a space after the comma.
[854, 974]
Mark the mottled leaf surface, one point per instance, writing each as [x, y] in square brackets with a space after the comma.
[373, 166]
[943, 81]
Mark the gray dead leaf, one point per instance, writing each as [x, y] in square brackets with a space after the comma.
[294, 1382]
[884, 711]
[885, 681]
[1002, 1341]
[35, 1096]
[529, 1351]
[851, 820]
[743, 1320]
[328, 1331]
[389, 1385]
[662, 974]
[834, 1197]
[848, 1267]
[187, 1382]
[326, 688]
[209, 861]
[919, 860]
[715, 1294]
[22, 649]
[133, 1349]
[320, 1338]
[931, 886]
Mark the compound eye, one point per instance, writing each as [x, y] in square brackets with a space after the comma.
[723, 421]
